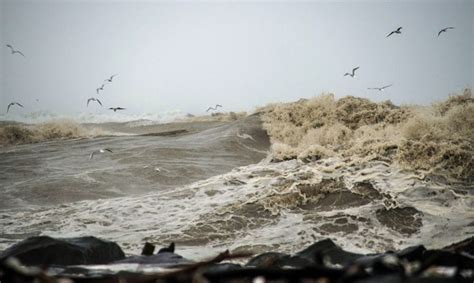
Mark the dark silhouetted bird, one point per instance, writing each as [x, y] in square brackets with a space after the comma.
[444, 30]
[13, 103]
[93, 99]
[15, 51]
[116, 108]
[398, 30]
[353, 72]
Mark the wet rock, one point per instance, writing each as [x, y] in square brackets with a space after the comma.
[466, 246]
[44, 250]
[162, 259]
[266, 259]
[169, 249]
[414, 253]
[328, 250]
[148, 249]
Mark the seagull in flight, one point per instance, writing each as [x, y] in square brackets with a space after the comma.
[93, 99]
[13, 103]
[102, 150]
[213, 108]
[380, 88]
[15, 51]
[398, 30]
[100, 88]
[353, 72]
[444, 30]
[110, 79]
[116, 108]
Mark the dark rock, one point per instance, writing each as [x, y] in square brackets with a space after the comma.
[44, 250]
[169, 249]
[327, 249]
[148, 249]
[266, 259]
[414, 253]
[466, 246]
[163, 258]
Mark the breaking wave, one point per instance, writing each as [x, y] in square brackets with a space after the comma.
[49, 131]
[438, 139]
[43, 116]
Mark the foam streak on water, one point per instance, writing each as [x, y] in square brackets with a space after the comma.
[270, 206]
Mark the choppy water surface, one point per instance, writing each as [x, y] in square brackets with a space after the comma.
[216, 190]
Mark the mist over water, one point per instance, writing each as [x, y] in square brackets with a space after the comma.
[211, 185]
[276, 168]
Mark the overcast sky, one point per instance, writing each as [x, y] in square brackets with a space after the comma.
[186, 56]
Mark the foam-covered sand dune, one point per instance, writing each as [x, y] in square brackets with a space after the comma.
[439, 138]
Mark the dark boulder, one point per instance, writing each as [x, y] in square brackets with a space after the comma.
[162, 259]
[466, 246]
[328, 250]
[44, 250]
[148, 249]
[168, 249]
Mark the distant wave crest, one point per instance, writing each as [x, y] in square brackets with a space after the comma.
[53, 130]
[437, 138]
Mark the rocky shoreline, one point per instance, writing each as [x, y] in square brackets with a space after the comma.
[90, 259]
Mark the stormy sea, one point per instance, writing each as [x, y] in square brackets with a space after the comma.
[372, 176]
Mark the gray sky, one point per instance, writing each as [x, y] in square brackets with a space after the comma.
[187, 55]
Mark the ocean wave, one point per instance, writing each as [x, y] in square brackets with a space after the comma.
[53, 130]
[94, 118]
[439, 138]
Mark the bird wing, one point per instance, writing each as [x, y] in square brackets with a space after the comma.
[390, 33]
[372, 88]
[107, 149]
[355, 69]
[98, 101]
[386, 86]
[8, 107]
[218, 105]
[347, 74]
[399, 28]
[19, 52]
[89, 100]
[210, 108]
[120, 108]
[441, 31]
[19, 104]
[9, 46]
[111, 108]
[92, 155]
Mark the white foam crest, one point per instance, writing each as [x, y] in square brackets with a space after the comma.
[90, 117]
[259, 207]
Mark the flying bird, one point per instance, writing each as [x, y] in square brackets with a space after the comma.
[116, 108]
[213, 108]
[380, 88]
[99, 151]
[110, 79]
[444, 30]
[93, 99]
[398, 30]
[15, 51]
[100, 88]
[13, 103]
[353, 72]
